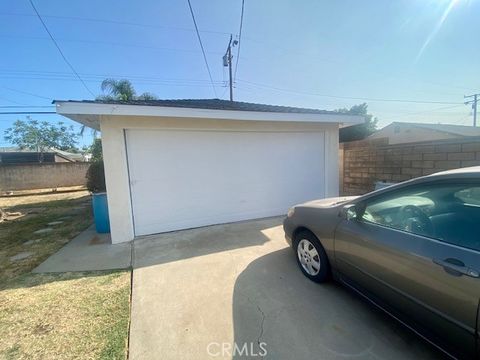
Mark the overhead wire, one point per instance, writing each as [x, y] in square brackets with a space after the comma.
[239, 40]
[201, 46]
[351, 97]
[27, 93]
[116, 22]
[59, 49]
[25, 106]
[426, 111]
[26, 112]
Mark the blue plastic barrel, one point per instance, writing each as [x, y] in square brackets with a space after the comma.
[100, 213]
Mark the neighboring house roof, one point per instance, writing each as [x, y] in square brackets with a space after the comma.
[63, 154]
[458, 130]
[69, 155]
[14, 149]
[213, 104]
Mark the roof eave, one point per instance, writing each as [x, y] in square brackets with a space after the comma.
[89, 114]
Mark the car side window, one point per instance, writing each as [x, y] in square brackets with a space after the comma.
[446, 212]
[469, 196]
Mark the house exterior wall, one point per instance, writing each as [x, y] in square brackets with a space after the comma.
[116, 165]
[407, 133]
[368, 161]
[42, 176]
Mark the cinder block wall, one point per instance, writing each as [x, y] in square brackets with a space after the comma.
[42, 176]
[368, 161]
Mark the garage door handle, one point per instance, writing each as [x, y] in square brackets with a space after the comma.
[456, 267]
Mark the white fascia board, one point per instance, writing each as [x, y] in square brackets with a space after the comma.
[78, 109]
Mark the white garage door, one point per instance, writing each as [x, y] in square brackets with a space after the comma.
[185, 179]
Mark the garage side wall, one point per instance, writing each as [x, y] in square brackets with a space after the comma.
[117, 181]
[116, 164]
[331, 162]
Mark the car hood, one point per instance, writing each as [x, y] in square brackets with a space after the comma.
[328, 202]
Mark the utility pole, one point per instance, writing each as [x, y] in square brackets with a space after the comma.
[474, 102]
[227, 61]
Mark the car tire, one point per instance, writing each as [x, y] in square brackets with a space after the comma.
[311, 257]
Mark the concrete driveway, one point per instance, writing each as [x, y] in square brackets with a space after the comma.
[234, 291]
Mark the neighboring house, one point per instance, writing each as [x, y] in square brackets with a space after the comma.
[76, 157]
[401, 133]
[178, 164]
[15, 155]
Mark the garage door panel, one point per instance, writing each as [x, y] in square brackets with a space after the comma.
[183, 179]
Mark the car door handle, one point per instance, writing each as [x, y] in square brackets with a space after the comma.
[456, 267]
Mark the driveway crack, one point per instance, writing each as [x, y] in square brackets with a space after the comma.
[262, 323]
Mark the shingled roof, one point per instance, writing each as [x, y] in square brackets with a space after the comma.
[213, 104]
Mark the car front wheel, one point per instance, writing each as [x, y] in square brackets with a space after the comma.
[311, 257]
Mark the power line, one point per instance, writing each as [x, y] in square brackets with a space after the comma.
[201, 45]
[26, 112]
[25, 106]
[277, 45]
[11, 101]
[117, 22]
[99, 78]
[110, 43]
[97, 81]
[27, 93]
[352, 97]
[239, 40]
[425, 112]
[129, 76]
[59, 49]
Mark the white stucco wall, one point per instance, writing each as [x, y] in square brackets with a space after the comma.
[116, 166]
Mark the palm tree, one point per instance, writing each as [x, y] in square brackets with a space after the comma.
[118, 89]
[122, 90]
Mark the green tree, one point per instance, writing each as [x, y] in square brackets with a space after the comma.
[41, 136]
[146, 96]
[360, 131]
[122, 90]
[96, 150]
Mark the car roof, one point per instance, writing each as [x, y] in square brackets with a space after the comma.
[467, 170]
[455, 174]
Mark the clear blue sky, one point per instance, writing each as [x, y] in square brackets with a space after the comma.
[292, 53]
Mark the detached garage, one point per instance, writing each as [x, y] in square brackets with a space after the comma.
[178, 164]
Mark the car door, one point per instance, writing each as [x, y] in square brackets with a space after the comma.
[427, 274]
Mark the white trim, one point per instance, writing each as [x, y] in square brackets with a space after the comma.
[80, 110]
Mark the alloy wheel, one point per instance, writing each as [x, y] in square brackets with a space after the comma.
[308, 257]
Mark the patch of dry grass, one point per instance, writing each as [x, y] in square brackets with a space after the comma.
[41, 197]
[82, 315]
[66, 316]
[73, 209]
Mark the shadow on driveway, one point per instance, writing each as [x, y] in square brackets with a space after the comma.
[295, 318]
[181, 245]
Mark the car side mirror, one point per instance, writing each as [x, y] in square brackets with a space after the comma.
[350, 212]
